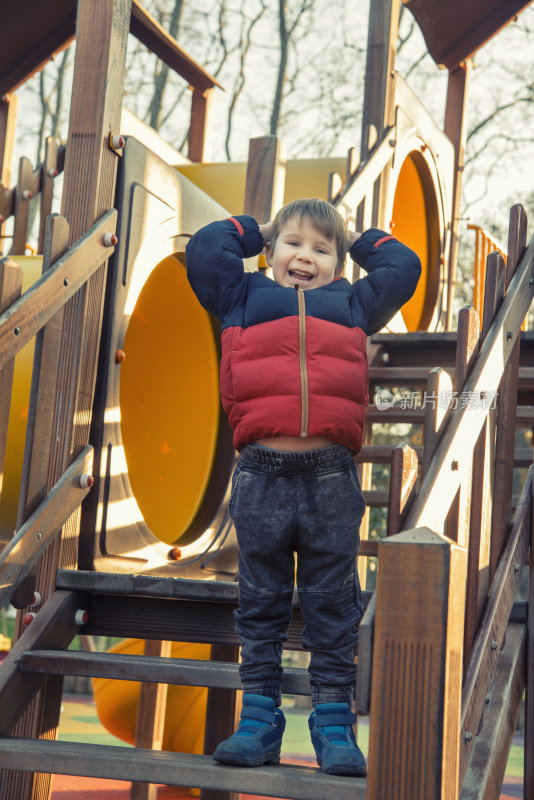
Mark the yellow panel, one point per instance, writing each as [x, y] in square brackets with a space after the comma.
[169, 400]
[307, 177]
[32, 267]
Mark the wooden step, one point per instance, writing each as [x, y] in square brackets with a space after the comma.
[175, 769]
[127, 667]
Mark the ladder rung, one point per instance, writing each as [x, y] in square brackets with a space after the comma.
[175, 769]
[131, 667]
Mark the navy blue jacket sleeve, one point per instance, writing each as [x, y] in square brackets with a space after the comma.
[214, 260]
[393, 271]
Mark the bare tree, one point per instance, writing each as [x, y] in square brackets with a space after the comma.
[161, 74]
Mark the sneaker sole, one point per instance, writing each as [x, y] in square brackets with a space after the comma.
[237, 760]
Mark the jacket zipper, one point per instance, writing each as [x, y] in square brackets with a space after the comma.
[303, 366]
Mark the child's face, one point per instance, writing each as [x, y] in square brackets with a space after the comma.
[302, 256]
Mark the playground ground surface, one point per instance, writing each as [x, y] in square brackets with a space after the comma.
[80, 723]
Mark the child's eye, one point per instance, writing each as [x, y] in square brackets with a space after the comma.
[322, 251]
[294, 244]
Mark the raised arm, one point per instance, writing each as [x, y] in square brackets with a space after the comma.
[214, 259]
[393, 271]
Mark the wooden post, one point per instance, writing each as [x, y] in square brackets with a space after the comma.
[265, 183]
[8, 124]
[199, 128]
[22, 207]
[439, 395]
[467, 348]
[507, 405]
[89, 190]
[48, 173]
[417, 668]
[528, 789]
[402, 483]
[35, 481]
[10, 289]
[151, 718]
[456, 129]
[478, 577]
[379, 94]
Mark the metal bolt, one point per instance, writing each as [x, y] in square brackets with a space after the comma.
[508, 335]
[65, 282]
[517, 566]
[39, 535]
[175, 554]
[120, 355]
[494, 644]
[16, 330]
[110, 240]
[454, 465]
[531, 281]
[467, 737]
[86, 481]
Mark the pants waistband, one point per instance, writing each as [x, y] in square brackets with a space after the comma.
[267, 459]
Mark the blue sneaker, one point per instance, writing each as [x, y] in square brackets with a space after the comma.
[334, 741]
[258, 738]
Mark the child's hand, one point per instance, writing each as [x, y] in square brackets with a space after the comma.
[352, 237]
[266, 231]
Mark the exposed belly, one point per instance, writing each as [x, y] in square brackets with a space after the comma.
[296, 442]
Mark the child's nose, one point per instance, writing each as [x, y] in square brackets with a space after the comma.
[305, 253]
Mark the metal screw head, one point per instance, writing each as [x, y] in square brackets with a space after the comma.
[39, 535]
[494, 644]
[468, 737]
[508, 335]
[16, 330]
[517, 566]
[455, 465]
[531, 281]
[65, 281]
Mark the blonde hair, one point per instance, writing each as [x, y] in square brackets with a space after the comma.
[322, 215]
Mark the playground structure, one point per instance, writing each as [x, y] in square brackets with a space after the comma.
[150, 552]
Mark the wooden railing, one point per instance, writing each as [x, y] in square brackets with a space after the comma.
[485, 244]
[418, 626]
[22, 318]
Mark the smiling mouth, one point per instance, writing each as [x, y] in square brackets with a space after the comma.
[297, 275]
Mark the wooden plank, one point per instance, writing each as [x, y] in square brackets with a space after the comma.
[455, 448]
[402, 485]
[8, 125]
[49, 170]
[487, 765]
[529, 673]
[265, 181]
[10, 289]
[150, 718]
[417, 674]
[32, 539]
[507, 402]
[34, 480]
[467, 347]
[438, 391]
[176, 769]
[199, 139]
[222, 713]
[126, 667]
[490, 635]
[455, 127]
[478, 573]
[145, 28]
[23, 196]
[54, 288]
[381, 454]
[53, 627]
[364, 180]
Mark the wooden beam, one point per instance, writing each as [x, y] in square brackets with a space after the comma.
[402, 485]
[199, 138]
[455, 127]
[417, 675]
[8, 125]
[507, 404]
[53, 627]
[150, 720]
[265, 180]
[32, 539]
[49, 170]
[145, 28]
[491, 632]
[54, 288]
[487, 765]
[439, 396]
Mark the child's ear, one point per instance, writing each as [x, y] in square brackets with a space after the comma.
[268, 253]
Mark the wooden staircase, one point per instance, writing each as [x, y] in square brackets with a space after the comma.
[182, 610]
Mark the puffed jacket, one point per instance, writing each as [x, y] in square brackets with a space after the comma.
[294, 363]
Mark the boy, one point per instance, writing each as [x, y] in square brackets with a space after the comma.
[294, 386]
